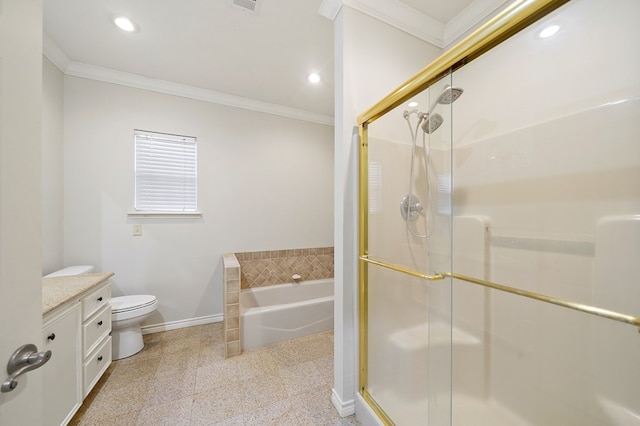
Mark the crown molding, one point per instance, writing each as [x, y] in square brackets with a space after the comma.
[402, 17]
[92, 72]
[54, 53]
[330, 9]
[392, 12]
[405, 18]
[471, 17]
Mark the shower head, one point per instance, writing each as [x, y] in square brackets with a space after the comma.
[449, 95]
[431, 123]
[428, 121]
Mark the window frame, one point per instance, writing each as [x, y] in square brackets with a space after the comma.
[191, 173]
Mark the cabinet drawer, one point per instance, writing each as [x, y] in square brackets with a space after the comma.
[96, 329]
[95, 365]
[95, 300]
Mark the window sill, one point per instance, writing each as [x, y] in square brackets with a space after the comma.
[164, 215]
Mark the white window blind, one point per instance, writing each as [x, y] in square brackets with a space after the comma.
[165, 172]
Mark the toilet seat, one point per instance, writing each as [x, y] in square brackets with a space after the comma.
[126, 307]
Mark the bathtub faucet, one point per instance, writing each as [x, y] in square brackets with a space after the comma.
[296, 278]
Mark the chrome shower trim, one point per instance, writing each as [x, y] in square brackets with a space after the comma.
[410, 207]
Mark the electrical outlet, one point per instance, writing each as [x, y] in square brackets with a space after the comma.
[137, 230]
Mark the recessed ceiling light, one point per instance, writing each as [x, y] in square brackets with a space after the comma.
[125, 24]
[412, 104]
[314, 78]
[549, 31]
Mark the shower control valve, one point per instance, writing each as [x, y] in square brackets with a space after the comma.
[410, 207]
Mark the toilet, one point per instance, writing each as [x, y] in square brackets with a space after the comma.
[127, 313]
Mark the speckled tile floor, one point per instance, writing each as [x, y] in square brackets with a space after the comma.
[182, 378]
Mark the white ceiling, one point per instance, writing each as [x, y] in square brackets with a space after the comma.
[212, 50]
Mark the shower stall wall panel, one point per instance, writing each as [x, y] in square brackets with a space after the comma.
[617, 241]
[554, 164]
[470, 313]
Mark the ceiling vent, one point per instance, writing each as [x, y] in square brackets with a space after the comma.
[249, 6]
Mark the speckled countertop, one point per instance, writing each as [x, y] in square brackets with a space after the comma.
[58, 290]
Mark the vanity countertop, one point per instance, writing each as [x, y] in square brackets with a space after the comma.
[58, 290]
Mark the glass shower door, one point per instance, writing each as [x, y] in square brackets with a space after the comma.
[408, 317]
[533, 207]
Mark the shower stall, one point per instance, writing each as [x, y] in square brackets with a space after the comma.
[500, 226]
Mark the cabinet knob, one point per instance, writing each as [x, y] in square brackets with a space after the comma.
[100, 358]
[100, 299]
[52, 336]
[99, 323]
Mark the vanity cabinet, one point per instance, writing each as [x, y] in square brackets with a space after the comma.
[96, 336]
[62, 373]
[78, 333]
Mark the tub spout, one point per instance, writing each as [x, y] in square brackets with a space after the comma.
[296, 277]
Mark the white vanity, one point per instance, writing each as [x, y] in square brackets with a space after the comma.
[76, 328]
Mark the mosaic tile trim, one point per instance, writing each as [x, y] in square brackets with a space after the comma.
[271, 267]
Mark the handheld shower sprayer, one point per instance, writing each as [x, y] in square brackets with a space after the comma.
[431, 122]
[410, 206]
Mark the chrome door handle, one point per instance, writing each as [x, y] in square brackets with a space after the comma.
[25, 358]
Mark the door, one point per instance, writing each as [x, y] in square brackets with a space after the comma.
[406, 321]
[20, 193]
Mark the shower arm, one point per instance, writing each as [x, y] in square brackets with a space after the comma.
[603, 313]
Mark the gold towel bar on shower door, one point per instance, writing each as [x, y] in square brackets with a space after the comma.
[604, 313]
[403, 270]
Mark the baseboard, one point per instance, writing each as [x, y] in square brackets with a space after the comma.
[174, 325]
[344, 408]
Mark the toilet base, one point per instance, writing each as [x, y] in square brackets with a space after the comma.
[126, 342]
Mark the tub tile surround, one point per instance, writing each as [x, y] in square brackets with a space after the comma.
[271, 267]
[264, 268]
[231, 301]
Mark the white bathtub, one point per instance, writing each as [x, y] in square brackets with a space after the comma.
[285, 311]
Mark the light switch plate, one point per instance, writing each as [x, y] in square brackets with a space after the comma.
[137, 230]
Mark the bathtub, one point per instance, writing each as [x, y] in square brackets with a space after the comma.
[285, 311]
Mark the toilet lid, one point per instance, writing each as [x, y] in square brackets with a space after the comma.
[71, 270]
[128, 303]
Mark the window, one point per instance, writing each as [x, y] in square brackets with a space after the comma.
[165, 173]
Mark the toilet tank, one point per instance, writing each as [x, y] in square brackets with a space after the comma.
[71, 270]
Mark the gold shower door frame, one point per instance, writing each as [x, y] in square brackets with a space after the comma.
[516, 17]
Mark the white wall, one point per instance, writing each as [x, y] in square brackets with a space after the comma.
[52, 183]
[372, 59]
[264, 182]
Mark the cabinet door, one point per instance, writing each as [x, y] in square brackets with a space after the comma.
[62, 374]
